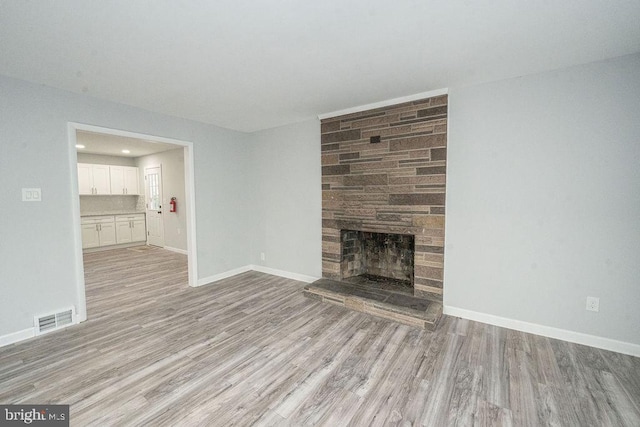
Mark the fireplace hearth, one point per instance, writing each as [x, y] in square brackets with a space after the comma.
[381, 283]
[377, 278]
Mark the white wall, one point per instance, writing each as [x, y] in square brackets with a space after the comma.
[543, 200]
[37, 252]
[173, 185]
[286, 210]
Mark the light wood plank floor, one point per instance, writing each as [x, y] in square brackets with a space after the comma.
[252, 350]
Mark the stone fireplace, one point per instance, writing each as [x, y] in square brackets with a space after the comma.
[383, 171]
[383, 210]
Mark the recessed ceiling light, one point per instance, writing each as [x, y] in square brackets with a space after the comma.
[126, 151]
[79, 146]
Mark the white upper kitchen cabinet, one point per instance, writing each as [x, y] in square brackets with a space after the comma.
[85, 179]
[93, 179]
[124, 180]
[131, 180]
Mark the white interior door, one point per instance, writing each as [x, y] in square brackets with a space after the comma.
[153, 194]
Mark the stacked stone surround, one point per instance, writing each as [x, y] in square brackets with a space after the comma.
[396, 185]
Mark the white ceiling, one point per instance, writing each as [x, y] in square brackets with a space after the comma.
[250, 65]
[112, 145]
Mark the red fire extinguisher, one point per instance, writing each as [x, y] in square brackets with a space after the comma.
[172, 204]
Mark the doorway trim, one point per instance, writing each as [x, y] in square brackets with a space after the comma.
[189, 181]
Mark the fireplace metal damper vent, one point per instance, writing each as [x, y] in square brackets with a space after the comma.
[376, 277]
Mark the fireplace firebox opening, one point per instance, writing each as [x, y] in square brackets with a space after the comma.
[383, 258]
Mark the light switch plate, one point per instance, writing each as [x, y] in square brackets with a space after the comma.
[31, 195]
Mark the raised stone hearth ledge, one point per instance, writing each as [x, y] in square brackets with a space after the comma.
[412, 311]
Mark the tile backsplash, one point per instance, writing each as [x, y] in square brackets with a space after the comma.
[92, 205]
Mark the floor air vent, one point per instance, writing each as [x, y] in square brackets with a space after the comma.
[54, 321]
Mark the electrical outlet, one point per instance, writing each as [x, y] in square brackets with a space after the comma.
[593, 304]
[262, 257]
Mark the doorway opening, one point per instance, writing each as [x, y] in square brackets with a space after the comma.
[132, 195]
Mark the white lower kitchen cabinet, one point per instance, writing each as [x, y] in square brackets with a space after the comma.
[139, 230]
[123, 232]
[108, 230]
[90, 237]
[130, 228]
[98, 231]
[107, 234]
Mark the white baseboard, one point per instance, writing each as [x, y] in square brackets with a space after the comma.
[111, 247]
[546, 331]
[285, 274]
[230, 273]
[180, 251]
[14, 337]
[261, 269]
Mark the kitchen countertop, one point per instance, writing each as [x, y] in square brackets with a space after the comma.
[112, 213]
